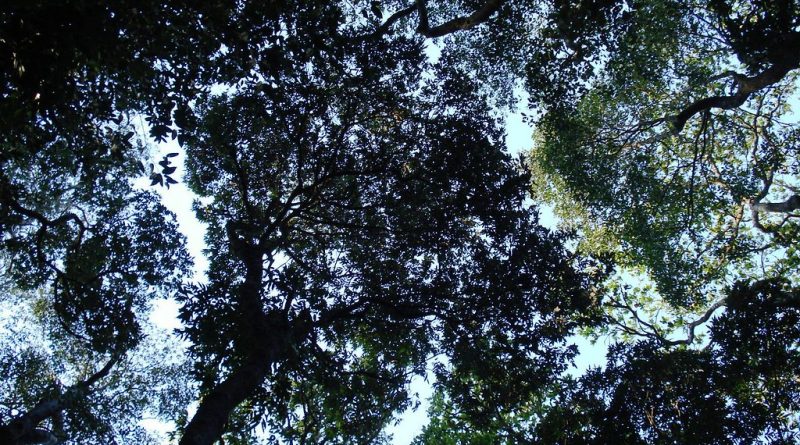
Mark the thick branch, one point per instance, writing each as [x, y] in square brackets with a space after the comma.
[387, 25]
[745, 87]
[23, 428]
[788, 206]
[457, 24]
[7, 197]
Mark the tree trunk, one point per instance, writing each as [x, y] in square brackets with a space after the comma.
[22, 428]
[208, 423]
[267, 336]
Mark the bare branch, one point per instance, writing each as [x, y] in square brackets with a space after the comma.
[693, 325]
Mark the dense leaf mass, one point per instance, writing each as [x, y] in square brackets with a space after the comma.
[364, 224]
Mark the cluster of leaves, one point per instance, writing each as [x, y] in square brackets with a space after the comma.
[75, 233]
[740, 389]
[391, 221]
[666, 141]
[163, 177]
[657, 163]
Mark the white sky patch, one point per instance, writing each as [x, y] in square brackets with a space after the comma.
[411, 421]
[519, 140]
[178, 199]
[165, 314]
[518, 132]
[590, 355]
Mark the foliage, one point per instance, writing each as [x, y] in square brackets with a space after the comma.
[732, 391]
[40, 360]
[75, 232]
[391, 227]
[658, 190]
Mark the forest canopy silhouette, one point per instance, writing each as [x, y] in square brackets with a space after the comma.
[365, 224]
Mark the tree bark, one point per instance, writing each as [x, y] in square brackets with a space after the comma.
[788, 206]
[267, 338]
[457, 24]
[39, 437]
[208, 423]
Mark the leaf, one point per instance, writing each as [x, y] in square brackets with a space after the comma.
[169, 170]
[156, 178]
[159, 132]
[375, 7]
[171, 155]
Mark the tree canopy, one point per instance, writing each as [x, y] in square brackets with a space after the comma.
[366, 225]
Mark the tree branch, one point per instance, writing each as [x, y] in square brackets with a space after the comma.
[788, 206]
[384, 28]
[693, 325]
[457, 24]
[745, 87]
[23, 428]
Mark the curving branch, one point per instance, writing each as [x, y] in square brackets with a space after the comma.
[745, 87]
[757, 207]
[693, 325]
[457, 24]
[451, 26]
[790, 205]
[23, 429]
[8, 198]
[651, 331]
[387, 25]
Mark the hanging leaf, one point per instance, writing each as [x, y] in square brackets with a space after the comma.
[375, 7]
[156, 178]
